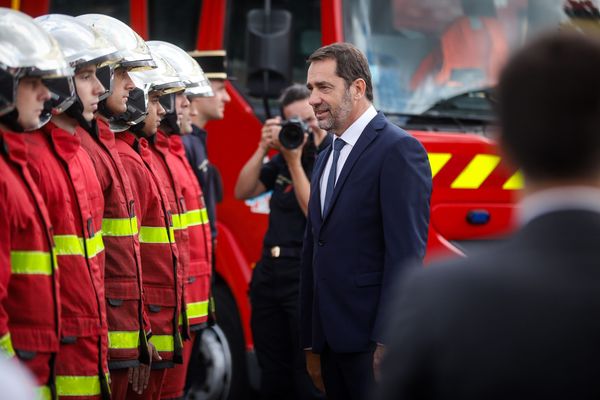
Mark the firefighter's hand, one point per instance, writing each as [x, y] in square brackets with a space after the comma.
[270, 134]
[377, 357]
[140, 375]
[313, 366]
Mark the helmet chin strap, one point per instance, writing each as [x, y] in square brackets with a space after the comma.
[10, 120]
[76, 112]
[169, 123]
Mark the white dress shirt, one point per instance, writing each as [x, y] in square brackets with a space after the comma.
[350, 136]
[558, 199]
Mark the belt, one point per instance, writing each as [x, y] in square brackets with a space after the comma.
[279, 251]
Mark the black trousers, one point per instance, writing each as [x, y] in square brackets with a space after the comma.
[347, 376]
[274, 299]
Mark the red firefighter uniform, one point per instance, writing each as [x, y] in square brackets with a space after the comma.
[67, 181]
[198, 276]
[160, 265]
[29, 299]
[127, 321]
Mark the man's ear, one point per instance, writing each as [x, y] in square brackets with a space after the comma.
[359, 88]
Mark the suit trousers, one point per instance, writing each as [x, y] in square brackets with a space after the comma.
[274, 298]
[347, 376]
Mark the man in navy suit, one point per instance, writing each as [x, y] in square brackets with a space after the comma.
[368, 216]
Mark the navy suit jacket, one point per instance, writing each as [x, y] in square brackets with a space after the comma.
[377, 222]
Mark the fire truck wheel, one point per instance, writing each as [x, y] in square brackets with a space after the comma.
[229, 321]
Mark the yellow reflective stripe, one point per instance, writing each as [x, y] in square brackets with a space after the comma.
[95, 245]
[44, 393]
[179, 221]
[6, 346]
[437, 161]
[30, 262]
[163, 343]
[197, 217]
[119, 226]
[77, 385]
[123, 339]
[153, 234]
[197, 310]
[480, 167]
[515, 182]
[69, 245]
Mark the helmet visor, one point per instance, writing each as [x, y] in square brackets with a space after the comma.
[62, 94]
[105, 76]
[8, 92]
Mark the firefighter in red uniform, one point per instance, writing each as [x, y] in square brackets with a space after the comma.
[162, 275]
[128, 325]
[192, 212]
[29, 298]
[65, 175]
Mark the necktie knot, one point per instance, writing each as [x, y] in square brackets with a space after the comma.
[338, 144]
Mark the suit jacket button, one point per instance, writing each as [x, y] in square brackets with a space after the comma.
[321, 243]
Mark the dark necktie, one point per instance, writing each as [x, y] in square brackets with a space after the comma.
[337, 146]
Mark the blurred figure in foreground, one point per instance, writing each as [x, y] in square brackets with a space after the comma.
[519, 321]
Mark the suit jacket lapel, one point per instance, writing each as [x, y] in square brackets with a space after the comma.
[363, 142]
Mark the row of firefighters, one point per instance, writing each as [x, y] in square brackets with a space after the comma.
[105, 258]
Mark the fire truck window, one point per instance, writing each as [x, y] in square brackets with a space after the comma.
[174, 23]
[306, 27]
[115, 8]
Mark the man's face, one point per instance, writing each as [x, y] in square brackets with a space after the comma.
[88, 89]
[330, 98]
[214, 107]
[155, 113]
[31, 95]
[122, 85]
[301, 109]
[182, 107]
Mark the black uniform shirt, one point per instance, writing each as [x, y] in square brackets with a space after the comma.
[286, 220]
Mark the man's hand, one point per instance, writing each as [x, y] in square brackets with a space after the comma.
[377, 357]
[270, 134]
[293, 155]
[140, 375]
[313, 366]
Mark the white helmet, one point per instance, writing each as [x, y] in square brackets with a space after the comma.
[82, 46]
[164, 79]
[134, 52]
[27, 50]
[188, 69]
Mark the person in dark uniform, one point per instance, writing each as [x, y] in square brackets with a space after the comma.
[204, 109]
[276, 279]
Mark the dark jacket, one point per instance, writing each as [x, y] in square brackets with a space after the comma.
[517, 322]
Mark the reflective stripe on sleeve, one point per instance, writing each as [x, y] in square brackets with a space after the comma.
[30, 262]
[153, 234]
[6, 346]
[71, 245]
[163, 343]
[179, 221]
[197, 310]
[44, 393]
[197, 217]
[119, 226]
[67, 385]
[95, 245]
[123, 339]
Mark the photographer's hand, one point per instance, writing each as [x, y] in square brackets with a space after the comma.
[270, 134]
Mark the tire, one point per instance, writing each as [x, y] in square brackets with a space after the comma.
[218, 369]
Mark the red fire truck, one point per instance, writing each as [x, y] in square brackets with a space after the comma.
[434, 64]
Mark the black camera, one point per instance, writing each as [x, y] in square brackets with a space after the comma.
[292, 133]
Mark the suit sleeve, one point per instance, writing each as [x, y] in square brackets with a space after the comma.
[407, 363]
[405, 191]
[306, 287]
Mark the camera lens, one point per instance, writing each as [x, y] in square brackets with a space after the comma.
[292, 134]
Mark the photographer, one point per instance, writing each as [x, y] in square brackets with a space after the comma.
[275, 282]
